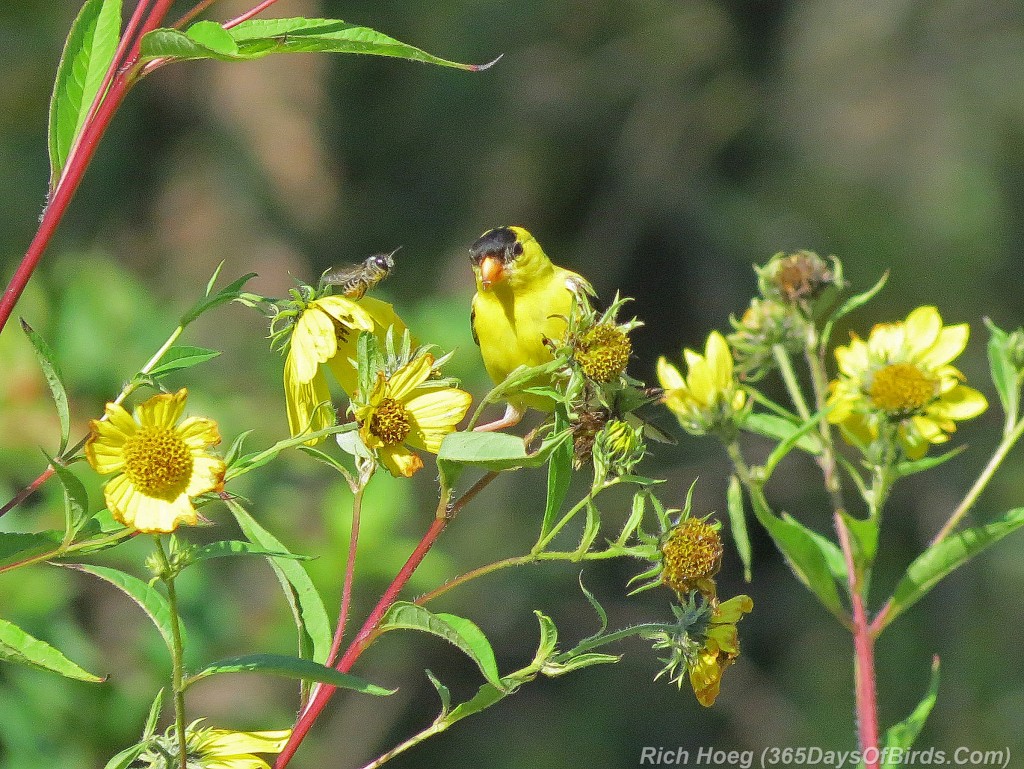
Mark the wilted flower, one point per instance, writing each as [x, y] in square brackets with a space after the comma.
[161, 464]
[691, 557]
[720, 649]
[603, 351]
[901, 378]
[798, 277]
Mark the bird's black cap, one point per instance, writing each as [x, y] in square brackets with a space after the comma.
[501, 241]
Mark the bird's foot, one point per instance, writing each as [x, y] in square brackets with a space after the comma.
[512, 417]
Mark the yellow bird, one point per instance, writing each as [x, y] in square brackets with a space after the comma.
[521, 299]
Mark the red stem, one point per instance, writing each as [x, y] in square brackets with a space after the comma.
[26, 492]
[350, 566]
[248, 14]
[864, 656]
[361, 641]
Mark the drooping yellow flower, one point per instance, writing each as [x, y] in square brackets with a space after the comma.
[721, 648]
[709, 397]
[901, 377]
[215, 749]
[161, 464]
[325, 333]
[400, 416]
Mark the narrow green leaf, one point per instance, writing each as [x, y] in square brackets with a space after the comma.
[235, 449]
[154, 715]
[17, 548]
[864, 537]
[1004, 373]
[952, 552]
[307, 607]
[257, 38]
[18, 646]
[548, 639]
[182, 357]
[212, 35]
[554, 669]
[149, 599]
[54, 380]
[230, 292]
[443, 693]
[76, 499]
[559, 474]
[126, 757]
[900, 737]
[290, 667]
[850, 305]
[231, 547]
[458, 631]
[804, 553]
[88, 54]
[904, 469]
[738, 524]
[772, 426]
[495, 451]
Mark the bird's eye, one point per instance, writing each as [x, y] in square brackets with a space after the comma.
[517, 249]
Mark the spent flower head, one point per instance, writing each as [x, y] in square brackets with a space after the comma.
[799, 278]
[160, 464]
[692, 556]
[899, 384]
[708, 399]
[208, 748]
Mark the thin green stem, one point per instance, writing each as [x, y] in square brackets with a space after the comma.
[546, 539]
[177, 664]
[796, 394]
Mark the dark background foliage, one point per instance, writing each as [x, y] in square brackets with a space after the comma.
[658, 147]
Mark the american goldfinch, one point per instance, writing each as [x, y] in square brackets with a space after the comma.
[521, 299]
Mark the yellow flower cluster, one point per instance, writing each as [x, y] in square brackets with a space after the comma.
[708, 398]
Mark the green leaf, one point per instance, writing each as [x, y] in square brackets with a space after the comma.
[443, 693]
[149, 599]
[458, 631]
[864, 538]
[900, 737]
[154, 715]
[18, 646]
[88, 54]
[290, 667]
[493, 451]
[54, 380]
[17, 548]
[307, 607]
[76, 499]
[182, 357]
[1004, 373]
[232, 547]
[553, 669]
[257, 38]
[805, 553]
[904, 469]
[126, 757]
[850, 305]
[229, 293]
[952, 552]
[781, 429]
[738, 524]
[559, 474]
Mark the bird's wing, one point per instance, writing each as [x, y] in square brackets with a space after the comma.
[472, 322]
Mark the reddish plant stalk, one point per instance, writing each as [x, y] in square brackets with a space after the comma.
[361, 641]
[248, 14]
[865, 693]
[350, 567]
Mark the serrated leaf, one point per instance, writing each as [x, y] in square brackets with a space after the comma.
[559, 474]
[76, 499]
[182, 357]
[88, 54]
[290, 667]
[232, 547]
[900, 737]
[307, 606]
[458, 631]
[952, 552]
[257, 38]
[54, 380]
[149, 599]
[805, 554]
[738, 524]
[19, 647]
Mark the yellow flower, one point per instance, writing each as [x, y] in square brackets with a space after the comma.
[603, 352]
[400, 414]
[709, 396]
[721, 648]
[161, 464]
[901, 377]
[215, 749]
[325, 333]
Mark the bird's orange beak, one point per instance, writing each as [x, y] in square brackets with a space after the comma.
[492, 270]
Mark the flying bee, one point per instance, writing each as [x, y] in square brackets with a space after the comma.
[354, 280]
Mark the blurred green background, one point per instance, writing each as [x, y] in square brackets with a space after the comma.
[659, 147]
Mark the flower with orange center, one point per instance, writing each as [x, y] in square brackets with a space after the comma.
[901, 379]
[160, 464]
[404, 413]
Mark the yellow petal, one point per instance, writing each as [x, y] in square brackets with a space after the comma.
[719, 360]
[400, 460]
[384, 315]
[162, 410]
[118, 420]
[732, 610]
[235, 743]
[922, 328]
[668, 375]
[199, 432]
[886, 342]
[854, 359]
[706, 678]
[407, 378]
[438, 408]
[950, 342]
[147, 514]
[699, 379]
[961, 402]
[207, 475]
[346, 312]
[308, 403]
[103, 457]
[343, 365]
[314, 341]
